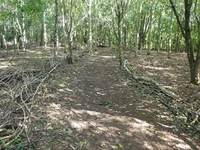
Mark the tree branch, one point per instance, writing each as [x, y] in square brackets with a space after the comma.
[160, 87]
[177, 18]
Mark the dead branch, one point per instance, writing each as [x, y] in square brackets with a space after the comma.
[19, 87]
[192, 117]
[149, 80]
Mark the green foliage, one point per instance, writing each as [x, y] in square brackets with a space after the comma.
[17, 144]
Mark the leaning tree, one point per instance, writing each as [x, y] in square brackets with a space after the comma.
[192, 43]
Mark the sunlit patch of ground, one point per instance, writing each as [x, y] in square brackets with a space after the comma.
[89, 105]
[94, 109]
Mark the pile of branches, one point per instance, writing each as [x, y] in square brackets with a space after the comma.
[177, 106]
[18, 91]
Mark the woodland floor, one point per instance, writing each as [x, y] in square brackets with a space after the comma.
[91, 105]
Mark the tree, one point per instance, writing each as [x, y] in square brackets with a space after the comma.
[56, 41]
[151, 16]
[64, 25]
[120, 10]
[90, 24]
[190, 45]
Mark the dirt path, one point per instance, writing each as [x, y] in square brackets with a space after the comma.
[93, 108]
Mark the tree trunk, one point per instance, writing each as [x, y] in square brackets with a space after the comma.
[138, 26]
[90, 25]
[18, 35]
[22, 33]
[63, 25]
[70, 32]
[43, 35]
[3, 32]
[170, 37]
[56, 42]
[121, 8]
[96, 22]
[150, 26]
[159, 42]
[4, 42]
[194, 65]
[119, 14]
[45, 30]
[14, 32]
[143, 28]
[23, 37]
[186, 32]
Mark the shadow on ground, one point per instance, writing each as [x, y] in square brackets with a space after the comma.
[89, 106]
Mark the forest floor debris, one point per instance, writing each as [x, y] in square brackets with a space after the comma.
[90, 105]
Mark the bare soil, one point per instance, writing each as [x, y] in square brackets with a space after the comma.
[90, 105]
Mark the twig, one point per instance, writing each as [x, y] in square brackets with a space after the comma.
[72, 147]
[45, 79]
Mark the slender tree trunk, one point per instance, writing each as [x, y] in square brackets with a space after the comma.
[45, 30]
[138, 26]
[90, 25]
[3, 31]
[125, 33]
[18, 34]
[70, 32]
[188, 42]
[23, 37]
[56, 42]
[96, 22]
[121, 8]
[63, 25]
[177, 41]
[142, 30]
[43, 35]
[4, 41]
[150, 26]
[22, 33]
[159, 42]
[170, 37]
[120, 53]
[186, 32]
[14, 34]
[119, 13]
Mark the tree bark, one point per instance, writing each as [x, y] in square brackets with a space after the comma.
[70, 32]
[150, 26]
[90, 25]
[170, 37]
[138, 26]
[64, 25]
[56, 42]
[159, 41]
[43, 35]
[121, 8]
[186, 32]
[3, 42]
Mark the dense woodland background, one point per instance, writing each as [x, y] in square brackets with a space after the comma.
[63, 27]
[155, 25]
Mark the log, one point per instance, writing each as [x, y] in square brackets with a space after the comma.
[159, 86]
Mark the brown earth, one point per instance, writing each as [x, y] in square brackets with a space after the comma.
[91, 105]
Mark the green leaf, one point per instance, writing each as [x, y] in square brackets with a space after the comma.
[121, 145]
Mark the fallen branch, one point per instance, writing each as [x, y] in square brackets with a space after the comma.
[146, 79]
